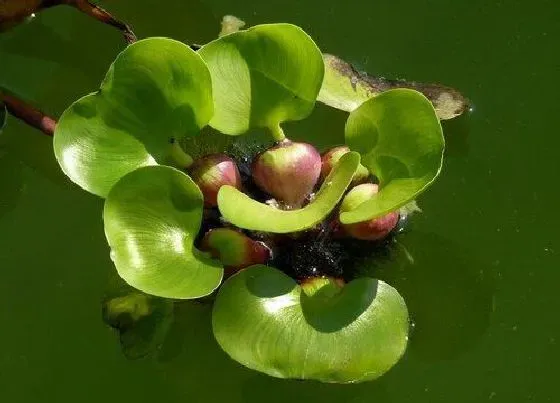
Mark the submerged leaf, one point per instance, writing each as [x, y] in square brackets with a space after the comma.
[345, 88]
[267, 322]
[263, 76]
[244, 212]
[142, 320]
[157, 90]
[152, 216]
[400, 139]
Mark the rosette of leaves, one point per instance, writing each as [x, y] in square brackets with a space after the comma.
[122, 143]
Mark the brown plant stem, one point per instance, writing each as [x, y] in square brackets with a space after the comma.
[13, 12]
[102, 15]
[28, 114]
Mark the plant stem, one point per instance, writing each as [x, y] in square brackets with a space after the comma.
[277, 133]
[100, 14]
[20, 10]
[30, 115]
[179, 157]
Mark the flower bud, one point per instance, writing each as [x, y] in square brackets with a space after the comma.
[371, 230]
[288, 171]
[330, 158]
[234, 249]
[213, 171]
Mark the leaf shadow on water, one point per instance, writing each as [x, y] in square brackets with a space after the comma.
[456, 132]
[448, 293]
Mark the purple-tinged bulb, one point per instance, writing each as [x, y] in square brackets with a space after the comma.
[288, 171]
[371, 230]
[213, 171]
[330, 158]
[234, 249]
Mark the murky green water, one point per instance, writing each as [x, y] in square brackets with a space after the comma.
[483, 285]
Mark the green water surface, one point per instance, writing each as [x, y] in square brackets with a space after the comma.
[479, 268]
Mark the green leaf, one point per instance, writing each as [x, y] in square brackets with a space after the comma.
[142, 320]
[345, 88]
[156, 90]
[152, 216]
[400, 139]
[267, 322]
[263, 76]
[244, 212]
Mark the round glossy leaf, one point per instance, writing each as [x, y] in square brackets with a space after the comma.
[263, 76]
[152, 216]
[157, 89]
[400, 139]
[264, 320]
[244, 212]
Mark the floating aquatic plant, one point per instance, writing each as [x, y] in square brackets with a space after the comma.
[276, 220]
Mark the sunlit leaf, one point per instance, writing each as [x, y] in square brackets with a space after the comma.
[345, 88]
[157, 90]
[244, 212]
[267, 322]
[263, 76]
[152, 216]
[400, 139]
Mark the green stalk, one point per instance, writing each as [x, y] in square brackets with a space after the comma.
[277, 133]
[179, 157]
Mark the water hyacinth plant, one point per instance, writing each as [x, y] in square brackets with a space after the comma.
[257, 233]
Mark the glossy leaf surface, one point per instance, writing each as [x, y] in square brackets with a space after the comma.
[152, 217]
[157, 89]
[263, 76]
[244, 212]
[400, 139]
[264, 320]
[346, 88]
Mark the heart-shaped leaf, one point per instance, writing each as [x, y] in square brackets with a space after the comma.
[263, 76]
[156, 90]
[244, 212]
[345, 88]
[400, 139]
[152, 216]
[267, 322]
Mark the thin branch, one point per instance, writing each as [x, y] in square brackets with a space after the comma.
[27, 113]
[100, 14]
[16, 11]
